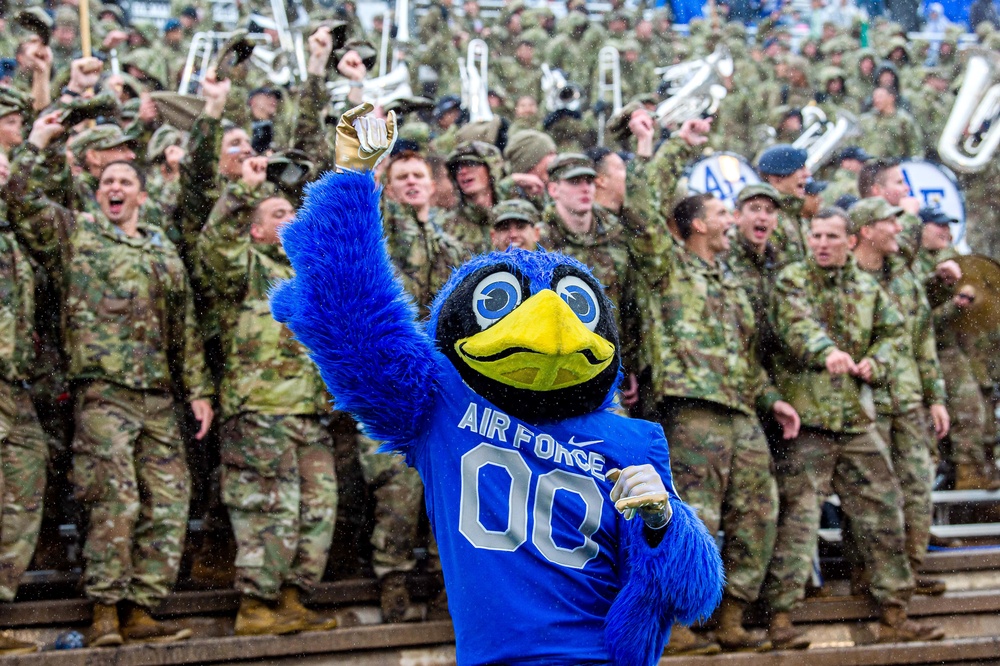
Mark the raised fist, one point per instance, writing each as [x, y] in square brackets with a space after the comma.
[364, 139]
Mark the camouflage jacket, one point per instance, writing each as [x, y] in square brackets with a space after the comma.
[507, 189]
[915, 375]
[816, 309]
[789, 237]
[664, 172]
[423, 253]
[924, 264]
[607, 250]
[707, 335]
[128, 313]
[891, 136]
[470, 225]
[756, 272]
[17, 309]
[266, 370]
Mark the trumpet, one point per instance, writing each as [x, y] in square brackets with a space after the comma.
[695, 87]
[972, 133]
[821, 136]
[474, 72]
[560, 94]
[609, 87]
[379, 91]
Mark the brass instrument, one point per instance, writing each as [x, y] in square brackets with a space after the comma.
[215, 48]
[609, 87]
[694, 88]
[972, 133]
[821, 137]
[379, 91]
[474, 71]
[560, 94]
[983, 275]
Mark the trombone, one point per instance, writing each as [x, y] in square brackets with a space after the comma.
[609, 87]
[972, 133]
[206, 44]
[474, 71]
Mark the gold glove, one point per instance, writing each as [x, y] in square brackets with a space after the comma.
[362, 139]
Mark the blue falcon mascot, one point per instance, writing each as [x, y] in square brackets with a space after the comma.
[502, 401]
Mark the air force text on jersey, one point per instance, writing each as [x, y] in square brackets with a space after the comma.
[496, 426]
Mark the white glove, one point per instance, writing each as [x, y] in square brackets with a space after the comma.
[640, 488]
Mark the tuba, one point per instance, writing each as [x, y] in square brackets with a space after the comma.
[609, 87]
[560, 94]
[972, 133]
[475, 78]
[694, 88]
[821, 137]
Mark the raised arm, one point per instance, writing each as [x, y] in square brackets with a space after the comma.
[345, 303]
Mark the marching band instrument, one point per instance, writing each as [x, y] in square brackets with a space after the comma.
[983, 314]
[972, 133]
[240, 44]
[560, 94]
[821, 137]
[694, 88]
[936, 186]
[609, 87]
[379, 91]
[474, 72]
[720, 174]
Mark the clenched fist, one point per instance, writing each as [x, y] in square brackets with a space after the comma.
[363, 139]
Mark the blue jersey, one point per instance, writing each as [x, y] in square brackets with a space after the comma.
[530, 542]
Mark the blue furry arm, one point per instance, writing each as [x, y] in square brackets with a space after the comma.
[680, 580]
[347, 307]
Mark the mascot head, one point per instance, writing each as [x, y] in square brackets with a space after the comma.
[532, 332]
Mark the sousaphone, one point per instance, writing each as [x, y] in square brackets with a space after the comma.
[983, 275]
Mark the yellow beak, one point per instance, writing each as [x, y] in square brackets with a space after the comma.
[541, 346]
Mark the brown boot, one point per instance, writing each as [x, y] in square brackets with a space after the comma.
[292, 603]
[257, 617]
[11, 646]
[895, 627]
[730, 633]
[140, 627]
[104, 630]
[396, 606]
[683, 641]
[929, 586]
[784, 635]
[437, 609]
[969, 476]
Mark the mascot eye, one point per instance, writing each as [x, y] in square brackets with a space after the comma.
[495, 297]
[581, 300]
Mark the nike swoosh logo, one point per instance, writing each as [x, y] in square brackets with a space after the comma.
[573, 442]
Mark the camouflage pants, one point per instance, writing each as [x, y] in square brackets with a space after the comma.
[722, 466]
[857, 467]
[966, 407]
[130, 474]
[24, 454]
[911, 448]
[280, 485]
[399, 497]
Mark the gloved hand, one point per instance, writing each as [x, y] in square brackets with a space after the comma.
[640, 488]
[362, 139]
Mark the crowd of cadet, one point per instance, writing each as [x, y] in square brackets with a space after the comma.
[800, 345]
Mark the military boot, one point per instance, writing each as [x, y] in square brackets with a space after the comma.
[929, 586]
[730, 633]
[104, 630]
[970, 477]
[784, 635]
[896, 627]
[683, 641]
[396, 606]
[257, 617]
[437, 609]
[11, 646]
[140, 627]
[292, 603]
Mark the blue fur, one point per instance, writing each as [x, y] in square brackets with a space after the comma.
[346, 305]
[680, 580]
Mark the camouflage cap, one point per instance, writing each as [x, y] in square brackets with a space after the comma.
[869, 211]
[619, 15]
[114, 10]
[534, 36]
[526, 148]
[67, 17]
[151, 63]
[179, 110]
[163, 138]
[571, 165]
[13, 100]
[101, 137]
[36, 20]
[515, 209]
[574, 21]
[758, 190]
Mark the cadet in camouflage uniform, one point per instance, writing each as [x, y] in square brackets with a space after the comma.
[521, 74]
[839, 333]
[784, 168]
[888, 131]
[844, 180]
[709, 385]
[24, 446]
[475, 168]
[166, 150]
[278, 476]
[528, 155]
[915, 388]
[129, 319]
